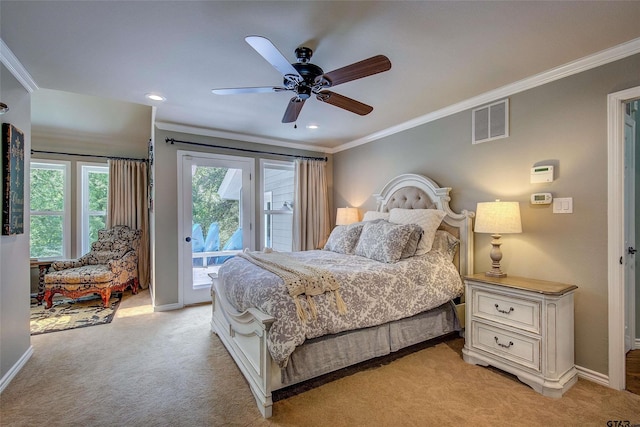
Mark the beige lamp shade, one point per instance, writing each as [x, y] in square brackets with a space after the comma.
[346, 216]
[498, 218]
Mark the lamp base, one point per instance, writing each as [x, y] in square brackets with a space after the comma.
[494, 273]
[496, 256]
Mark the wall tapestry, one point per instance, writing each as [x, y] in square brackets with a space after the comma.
[13, 178]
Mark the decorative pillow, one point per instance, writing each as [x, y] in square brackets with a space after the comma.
[373, 215]
[445, 243]
[412, 244]
[383, 241]
[344, 238]
[428, 219]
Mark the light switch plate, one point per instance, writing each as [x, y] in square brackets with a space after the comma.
[563, 205]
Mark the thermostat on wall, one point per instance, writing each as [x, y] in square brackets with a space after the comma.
[541, 199]
[541, 174]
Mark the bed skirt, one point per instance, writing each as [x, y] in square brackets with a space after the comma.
[329, 353]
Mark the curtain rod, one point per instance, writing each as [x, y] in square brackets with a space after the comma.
[247, 150]
[88, 155]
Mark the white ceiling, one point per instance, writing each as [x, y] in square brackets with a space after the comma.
[64, 116]
[442, 53]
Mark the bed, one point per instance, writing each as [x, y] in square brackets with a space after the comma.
[355, 320]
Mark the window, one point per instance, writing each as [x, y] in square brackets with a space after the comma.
[277, 204]
[93, 186]
[50, 217]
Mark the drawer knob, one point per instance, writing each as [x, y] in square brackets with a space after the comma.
[503, 345]
[503, 311]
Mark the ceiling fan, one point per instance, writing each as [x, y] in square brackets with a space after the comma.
[305, 79]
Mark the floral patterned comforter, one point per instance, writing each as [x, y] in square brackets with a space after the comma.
[374, 293]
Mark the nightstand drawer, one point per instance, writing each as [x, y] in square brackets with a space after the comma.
[507, 345]
[507, 310]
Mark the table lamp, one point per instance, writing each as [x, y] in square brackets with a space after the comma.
[346, 216]
[497, 218]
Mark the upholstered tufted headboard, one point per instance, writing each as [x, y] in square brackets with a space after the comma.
[412, 191]
[409, 198]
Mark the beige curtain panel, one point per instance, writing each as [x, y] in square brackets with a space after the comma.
[311, 223]
[128, 205]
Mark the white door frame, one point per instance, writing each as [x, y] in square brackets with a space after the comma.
[630, 235]
[248, 209]
[615, 232]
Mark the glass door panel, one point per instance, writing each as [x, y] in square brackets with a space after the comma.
[216, 221]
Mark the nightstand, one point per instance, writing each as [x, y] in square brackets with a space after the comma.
[524, 327]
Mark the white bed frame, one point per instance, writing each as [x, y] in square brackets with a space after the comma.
[244, 334]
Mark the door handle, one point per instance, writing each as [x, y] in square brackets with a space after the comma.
[188, 239]
[632, 250]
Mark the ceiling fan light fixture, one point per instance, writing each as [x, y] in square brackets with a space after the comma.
[304, 92]
[155, 97]
[312, 126]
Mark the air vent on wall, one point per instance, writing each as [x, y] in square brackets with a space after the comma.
[490, 122]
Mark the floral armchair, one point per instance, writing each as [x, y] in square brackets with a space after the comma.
[110, 266]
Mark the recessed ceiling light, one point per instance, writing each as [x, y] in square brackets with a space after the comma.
[155, 97]
[312, 126]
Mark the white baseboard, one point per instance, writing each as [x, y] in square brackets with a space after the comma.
[6, 379]
[593, 376]
[167, 307]
[636, 345]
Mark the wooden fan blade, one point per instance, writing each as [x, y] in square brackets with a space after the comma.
[374, 65]
[239, 90]
[344, 102]
[293, 110]
[268, 51]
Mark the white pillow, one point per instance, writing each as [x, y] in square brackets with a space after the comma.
[373, 215]
[428, 219]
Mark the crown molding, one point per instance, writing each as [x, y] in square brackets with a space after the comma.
[9, 60]
[174, 127]
[604, 57]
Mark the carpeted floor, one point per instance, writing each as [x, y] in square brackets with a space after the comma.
[167, 369]
[67, 313]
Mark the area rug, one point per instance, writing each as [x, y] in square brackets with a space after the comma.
[67, 313]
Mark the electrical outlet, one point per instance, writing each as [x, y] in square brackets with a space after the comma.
[563, 205]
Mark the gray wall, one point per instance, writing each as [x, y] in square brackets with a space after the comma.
[166, 194]
[563, 123]
[15, 339]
